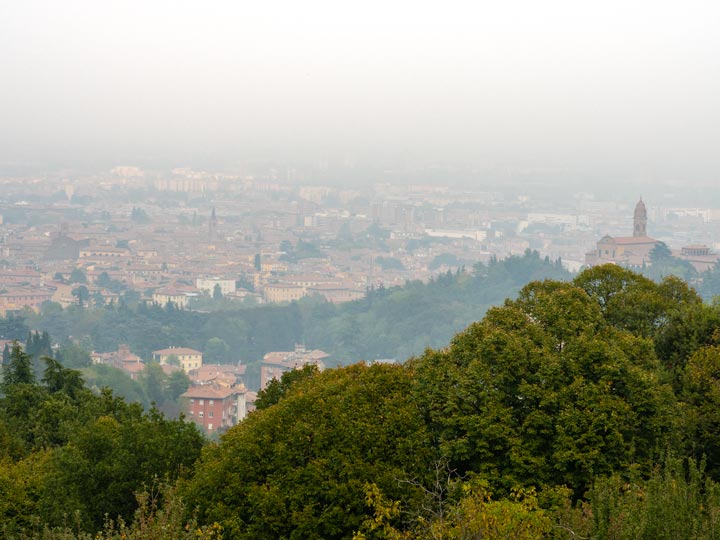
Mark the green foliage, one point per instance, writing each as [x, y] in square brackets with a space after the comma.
[276, 389]
[302, 250]
[447, 259]
[393, 322]
[109, 458]
[217, 292]
[473, 515]
[701, 393]
[153, 380]
[664, 264]
[82, 294]
[560, 403]
[173, 360]
[13, 327]
[112, 285]
[544, 389]
[687, 328]
[709, 283]
[18, 370]
[104, 376]
[59, 379]
[676, 502]
[633, 302]
[298, 469]
[160, 515]
[216, 351]
[138, 215]
[74, 356]
[77, 276]
[67, 451]
[390, 263]
[177, 384]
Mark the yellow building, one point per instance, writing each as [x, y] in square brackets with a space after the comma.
[163, 296]
[281, 292]
[188, 359]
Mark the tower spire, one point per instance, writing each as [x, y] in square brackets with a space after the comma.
[640, 219]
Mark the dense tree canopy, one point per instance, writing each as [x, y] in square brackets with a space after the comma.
[583, 408]
[298, 469]
[66, 450]
[544, 388]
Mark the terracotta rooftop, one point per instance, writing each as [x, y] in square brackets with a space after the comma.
[177, 351]
[210, 392]
[629, 240]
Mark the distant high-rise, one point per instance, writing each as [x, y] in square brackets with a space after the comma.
[640, 219]
[212, 227]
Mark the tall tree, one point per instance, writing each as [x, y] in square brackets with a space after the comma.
[18, 370]
[217, 292]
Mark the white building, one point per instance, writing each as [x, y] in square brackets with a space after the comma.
[227, 286]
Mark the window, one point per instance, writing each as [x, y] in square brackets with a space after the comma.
[192, 401]
[202, 402]
[191, 412]
[209, 427]
[211, 414]
[211, 402]
[201, 414]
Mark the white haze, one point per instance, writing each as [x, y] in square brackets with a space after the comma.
[626, 86]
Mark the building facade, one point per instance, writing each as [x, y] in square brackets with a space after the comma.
[188, 359]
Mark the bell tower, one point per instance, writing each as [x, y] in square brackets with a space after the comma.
[640, 219]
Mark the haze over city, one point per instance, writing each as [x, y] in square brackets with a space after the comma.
[560, 91]
[359, 271]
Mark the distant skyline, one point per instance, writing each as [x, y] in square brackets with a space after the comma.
[627, 90]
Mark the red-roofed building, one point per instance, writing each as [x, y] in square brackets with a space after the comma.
[218, 374]
[215, 408]
[122, 359]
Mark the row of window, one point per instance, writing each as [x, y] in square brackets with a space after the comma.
[202, 414]
[211, 402]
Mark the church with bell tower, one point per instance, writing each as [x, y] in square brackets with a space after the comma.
[625, 250]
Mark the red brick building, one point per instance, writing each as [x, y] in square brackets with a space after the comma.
[215, 408]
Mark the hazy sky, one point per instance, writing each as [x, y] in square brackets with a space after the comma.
[629, 86]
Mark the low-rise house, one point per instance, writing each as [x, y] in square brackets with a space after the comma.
[699, 256]
[226, 375]
[122, 359]
[170, 295]
[337, 293]
[283, 292]
[18, 298]
[102, 252]
[227, 286]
